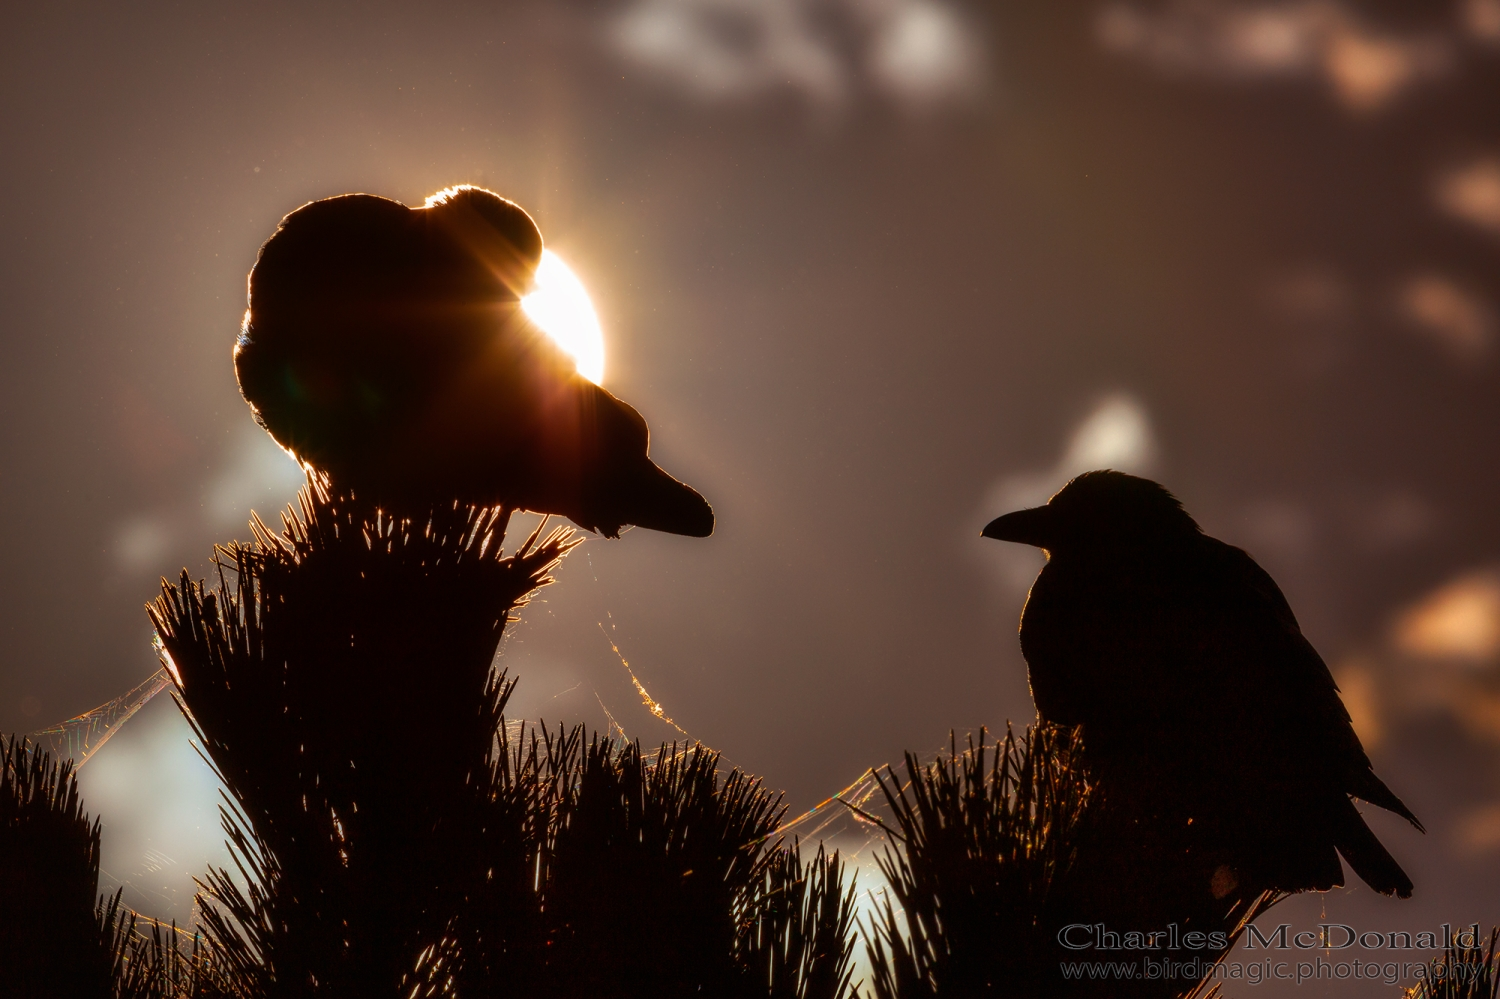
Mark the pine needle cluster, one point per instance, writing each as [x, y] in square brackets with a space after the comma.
[1463, 972]
[984, 836]
[58, 937]
[391, 838]
[995, 850]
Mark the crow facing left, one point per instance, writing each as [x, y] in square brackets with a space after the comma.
[1198, 695]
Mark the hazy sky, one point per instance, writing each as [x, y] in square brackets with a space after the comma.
[875, 271]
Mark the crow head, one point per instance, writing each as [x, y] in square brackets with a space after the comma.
[387, 347]
[1100, 512]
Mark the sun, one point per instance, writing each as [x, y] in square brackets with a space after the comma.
[561, 307]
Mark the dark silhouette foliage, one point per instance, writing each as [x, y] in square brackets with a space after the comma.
[985, 835]
[392, 836]
[1199, 697]
[664, 841]
[154, 964]
[58, 937]
[340, 681]
[51, 938]
[1463, 972]
[998, 848]
[797, 929]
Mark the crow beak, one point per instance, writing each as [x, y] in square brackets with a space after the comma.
[1026, 527]
[659, 502]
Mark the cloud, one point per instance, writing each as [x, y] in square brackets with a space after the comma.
[1427, 302]
[1479, 830]
[1116, 434]
[1472, 193]
[919, 53]
[1461, 322]
[158, 802]
[256, 474]
[1360, 691]
[142, 541]
[1481, 21]
[718, 49]
[1370, 519]
[259, 475]
[1364, 68]
[1458, 622]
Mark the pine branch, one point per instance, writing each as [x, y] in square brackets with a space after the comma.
[340, 680]
[51, 942]
[798, 930]
[1463, 972]
[985, 837]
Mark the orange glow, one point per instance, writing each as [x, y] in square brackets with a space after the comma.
[560, 306]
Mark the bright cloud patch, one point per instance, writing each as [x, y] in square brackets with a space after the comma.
[1364, 66]
[1451, 315]
[1115, 434]
[918, 52]
[1459, 621]
[1472, 193]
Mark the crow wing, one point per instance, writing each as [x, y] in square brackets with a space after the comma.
[1288, 685]
[1193, 654]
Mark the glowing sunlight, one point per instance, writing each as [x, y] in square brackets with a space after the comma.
[561, 307]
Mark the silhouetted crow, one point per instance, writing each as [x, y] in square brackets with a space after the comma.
[386, 346]
[1195, 687]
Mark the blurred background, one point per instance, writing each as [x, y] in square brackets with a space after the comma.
[875, 271]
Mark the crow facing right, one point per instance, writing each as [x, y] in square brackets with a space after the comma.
[387, 346]
[1195, 688]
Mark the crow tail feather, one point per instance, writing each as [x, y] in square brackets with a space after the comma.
[1365, 853]
[1368, 787]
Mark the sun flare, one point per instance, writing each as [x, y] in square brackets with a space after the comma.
[560, 306]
